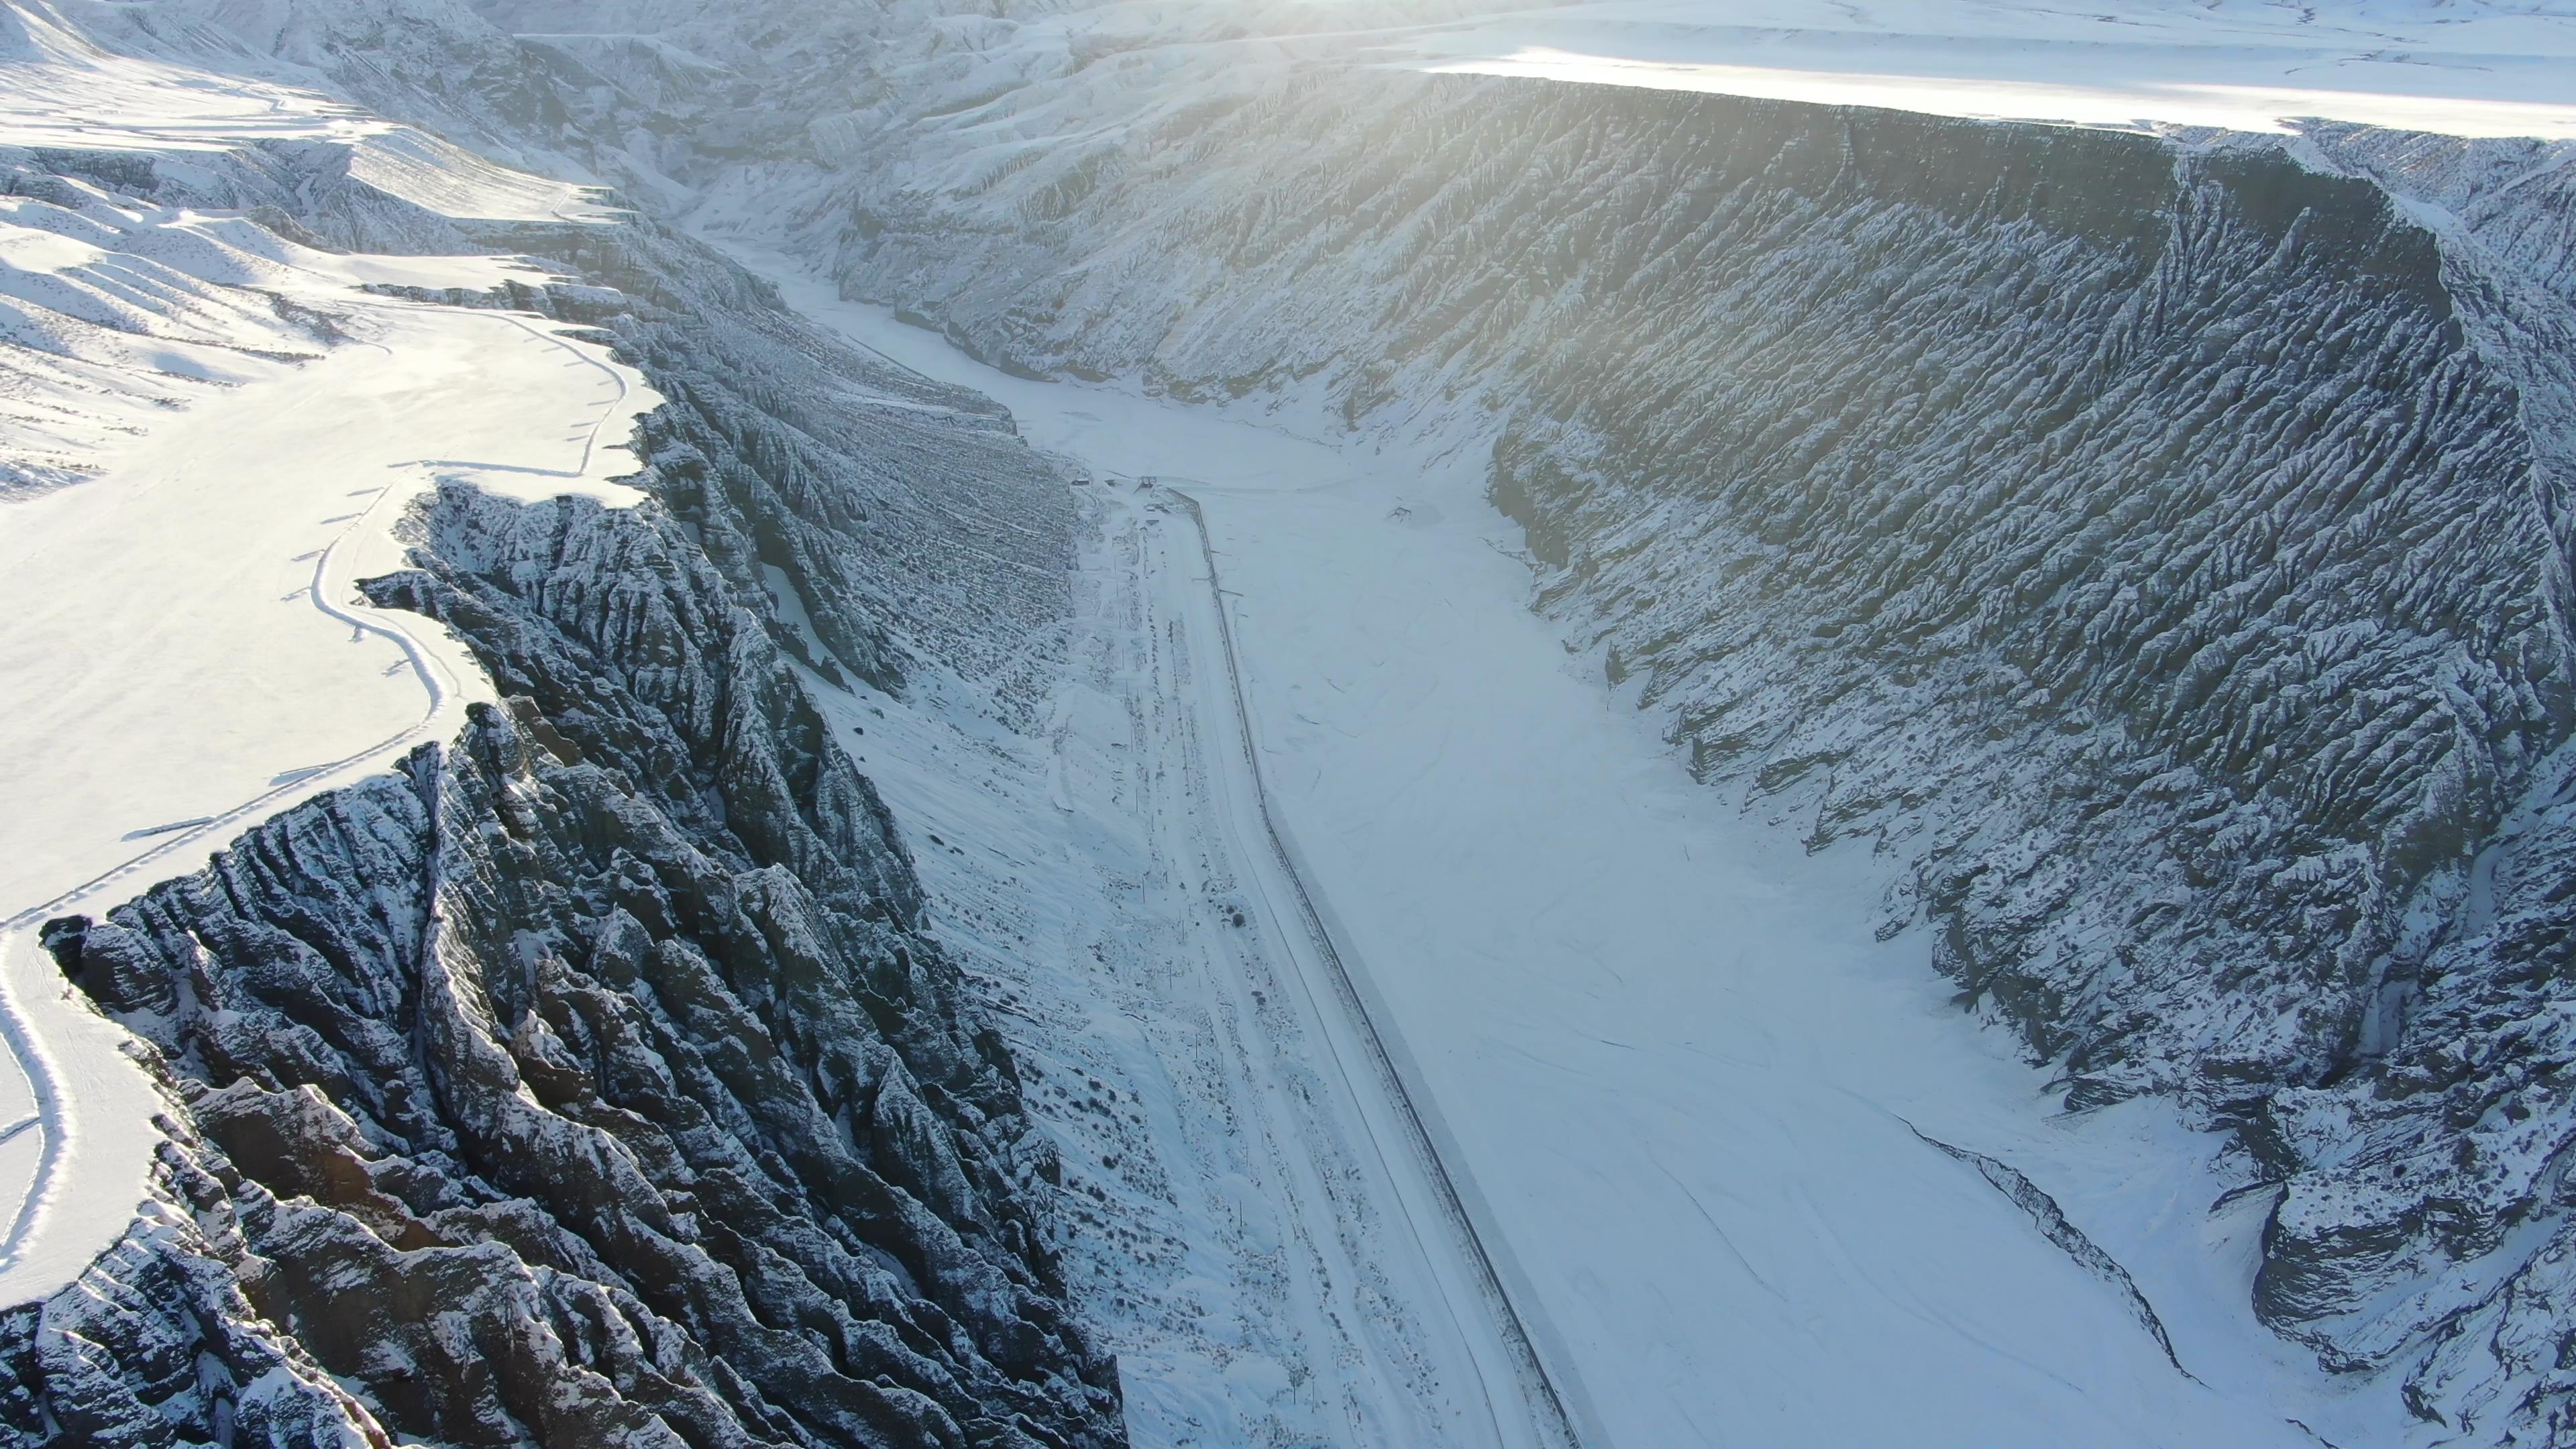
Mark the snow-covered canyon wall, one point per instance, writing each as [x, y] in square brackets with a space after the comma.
[591, 1079]
[2160, 545]
[2162, 542]
[587, 1080]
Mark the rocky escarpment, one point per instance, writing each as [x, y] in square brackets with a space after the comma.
[879, 517]
[586, 1082]
[590, 1082]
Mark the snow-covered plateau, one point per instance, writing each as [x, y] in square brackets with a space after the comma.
[2460, 70]
[1287, 722]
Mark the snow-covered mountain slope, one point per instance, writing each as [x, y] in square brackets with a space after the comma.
[210, 430]
[179, 83]
[587, 1082]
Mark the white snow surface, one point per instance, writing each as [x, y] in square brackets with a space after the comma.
[60, 89]
[1677, 1074]
[2452, 67]
[2465, 69]
[1246, 1219]
[191, 482]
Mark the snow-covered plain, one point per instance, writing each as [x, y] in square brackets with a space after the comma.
[1683, 1079]
[184, 621]
[2464, 69]
[209, 435]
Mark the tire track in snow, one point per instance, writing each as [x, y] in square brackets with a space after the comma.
[1552, 1408]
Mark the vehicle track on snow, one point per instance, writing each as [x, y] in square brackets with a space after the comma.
[1554, 1408]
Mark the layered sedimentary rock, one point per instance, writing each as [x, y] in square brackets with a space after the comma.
[878, 518]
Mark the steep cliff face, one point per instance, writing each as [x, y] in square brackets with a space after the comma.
[585, 1083]
[2165, 546]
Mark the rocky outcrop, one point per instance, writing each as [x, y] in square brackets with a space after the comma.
[875, 517]
[590, 1082]
[586, 1083]
[158, 1345]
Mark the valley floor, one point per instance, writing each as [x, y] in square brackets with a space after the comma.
[1678, 1075]
[1247, 1214]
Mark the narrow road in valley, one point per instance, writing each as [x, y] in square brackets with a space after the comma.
[1668, 1059]
[1523, 1403]
[1325, 1233]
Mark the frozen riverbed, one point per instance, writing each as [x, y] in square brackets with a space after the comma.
[1683, 1074]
